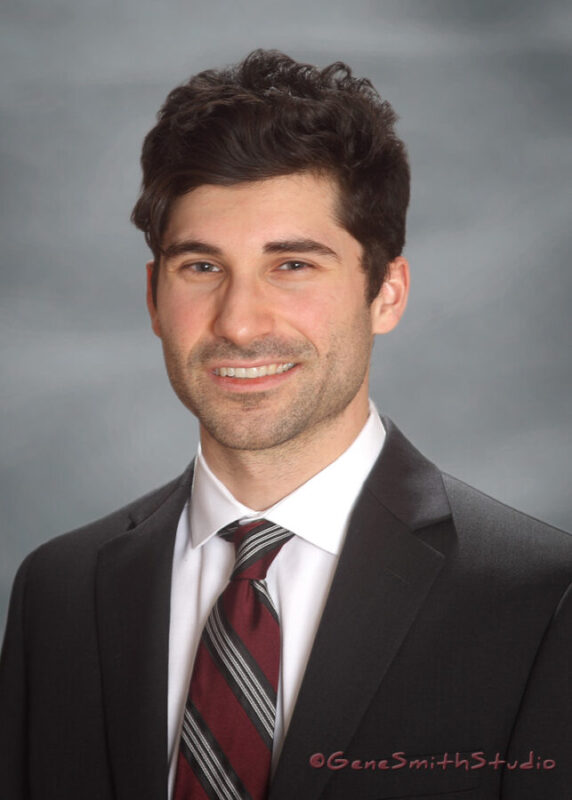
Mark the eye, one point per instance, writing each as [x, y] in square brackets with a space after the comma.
[200, 267]
[294, 266]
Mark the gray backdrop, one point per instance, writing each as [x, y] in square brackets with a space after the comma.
[479, 372]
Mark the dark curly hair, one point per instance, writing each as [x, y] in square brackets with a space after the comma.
[270, 116]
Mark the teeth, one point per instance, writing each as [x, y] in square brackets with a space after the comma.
[252, 372]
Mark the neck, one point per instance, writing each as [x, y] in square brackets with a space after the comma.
[260, 478]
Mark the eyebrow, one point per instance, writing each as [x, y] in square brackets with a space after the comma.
[300, 246]
[190, 246]
[282, 246]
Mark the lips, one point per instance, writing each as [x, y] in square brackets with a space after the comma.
[253, 372]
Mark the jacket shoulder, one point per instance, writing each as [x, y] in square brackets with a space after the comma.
[467, 499]
[83, 543]
[493, 527]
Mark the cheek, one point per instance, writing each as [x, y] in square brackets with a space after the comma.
[332, 314]
[314, 314]
[181, 320]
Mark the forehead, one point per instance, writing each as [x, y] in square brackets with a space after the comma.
[302, 205]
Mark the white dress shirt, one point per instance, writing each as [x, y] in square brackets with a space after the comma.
[298, 579]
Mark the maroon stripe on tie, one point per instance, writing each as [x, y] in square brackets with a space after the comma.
[263, 646]
[243, 675]
[237, 737]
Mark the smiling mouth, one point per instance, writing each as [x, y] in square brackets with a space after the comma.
[253, 372]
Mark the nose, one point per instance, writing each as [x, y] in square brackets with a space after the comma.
[244, 311]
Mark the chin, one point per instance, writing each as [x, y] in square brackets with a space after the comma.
[251, 440]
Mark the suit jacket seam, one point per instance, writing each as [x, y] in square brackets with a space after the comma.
[534, 661]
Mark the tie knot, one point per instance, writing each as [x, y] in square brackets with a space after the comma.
[256, 545]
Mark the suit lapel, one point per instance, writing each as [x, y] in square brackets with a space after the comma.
[383, 576]
[133, 599]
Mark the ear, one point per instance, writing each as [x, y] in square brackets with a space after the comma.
[151, 307]
[388, 307]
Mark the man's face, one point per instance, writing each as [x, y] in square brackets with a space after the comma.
[261, 308]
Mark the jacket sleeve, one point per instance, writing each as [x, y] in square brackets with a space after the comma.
[13, 696]
[542, 735]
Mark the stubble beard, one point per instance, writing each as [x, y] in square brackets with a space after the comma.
[253, 421]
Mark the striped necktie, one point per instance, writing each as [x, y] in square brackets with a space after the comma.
[228, 726]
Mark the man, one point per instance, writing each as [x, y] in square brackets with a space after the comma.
[407, 636]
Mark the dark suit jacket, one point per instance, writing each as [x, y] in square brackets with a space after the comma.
[447, 633]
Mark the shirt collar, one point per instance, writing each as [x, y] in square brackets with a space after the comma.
[318, 510]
